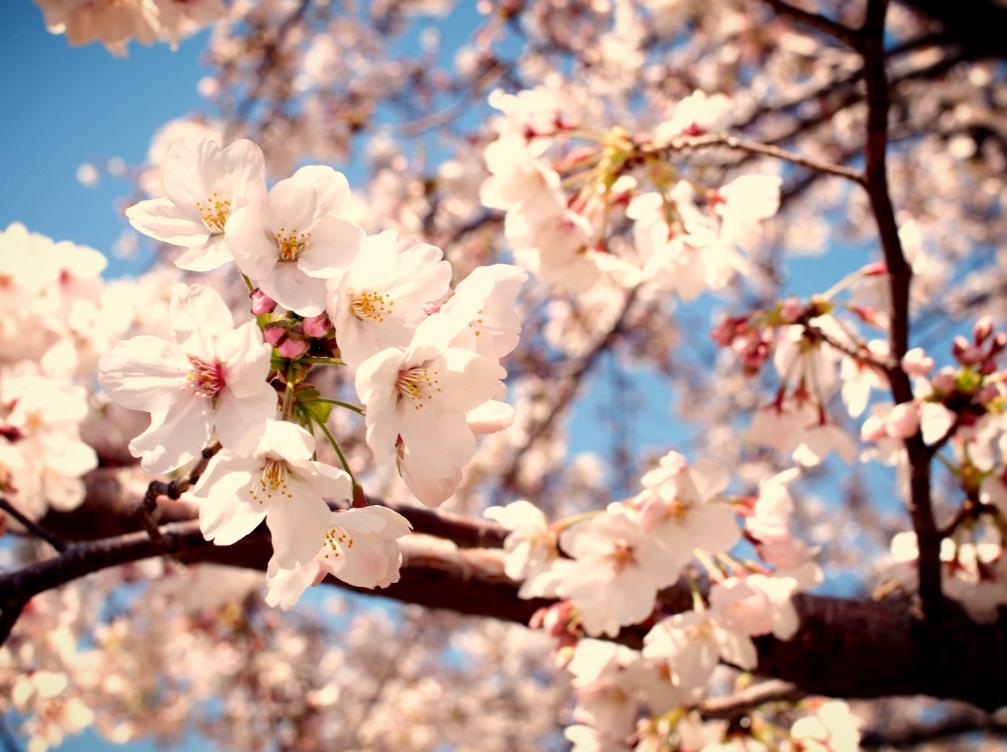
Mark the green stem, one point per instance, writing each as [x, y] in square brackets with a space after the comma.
[335, 445]
[323, 361]
[348, 405]
[248, 282]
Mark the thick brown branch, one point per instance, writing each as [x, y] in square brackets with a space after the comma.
[910, 732]
[844, 647]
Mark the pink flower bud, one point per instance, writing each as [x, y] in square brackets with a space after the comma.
[945, 380]
[316, 326]
[274, 334]
[293, 348]
[556, 618]
[982, 329]
[903, 421]
[261, 303]
[917, 363]
[964, 351]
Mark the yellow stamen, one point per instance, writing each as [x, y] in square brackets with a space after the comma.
[371, 305]
[291, 243]
[214, 212]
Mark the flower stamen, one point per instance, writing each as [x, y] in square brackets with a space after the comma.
[371, 305]
[291, 243]
[206, 378]
[417, 384]
[214, 212]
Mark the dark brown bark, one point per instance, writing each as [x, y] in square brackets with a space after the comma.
[855, 648]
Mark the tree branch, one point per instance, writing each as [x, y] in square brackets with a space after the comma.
[858, 648]
[714, 140]
[899, 283]
[738, 704]
[33, 527]
[846, 35]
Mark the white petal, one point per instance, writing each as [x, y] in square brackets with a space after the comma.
[245, 358]
[331, 187]
[284, 587]
[327, 481]
[333, 246]
[297, 525]
[160, 219]
[198, 309]
[143, 373]
[285, 440]
[226, 511]
[210, 255]
[490, 417]
[175, 436]
[294, 290]
[241, 422]
[292, 204]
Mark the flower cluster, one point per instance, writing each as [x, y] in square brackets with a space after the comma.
[565, 184]
[426, 362]
[608, 570]
[115, 22]
[51, 324]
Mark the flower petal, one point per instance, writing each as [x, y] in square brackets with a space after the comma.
[143, 373]
[160, 219]
[175, 436]
[334, 244]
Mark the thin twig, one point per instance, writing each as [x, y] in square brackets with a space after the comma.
[727, 141]
[899, 283]
[146, 510]
[741, 702]
[33, 527]
[850, 37]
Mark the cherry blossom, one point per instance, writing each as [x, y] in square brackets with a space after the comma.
[422, 394]
[693, 643]
[619, 569]
[381, 298]
[296, 238]
[211, 377]
[277, 482]
[205, 186]
[360, 548]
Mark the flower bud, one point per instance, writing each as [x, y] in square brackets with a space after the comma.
[944, 380]
[274, 333]
[261, 303]
[917, 363]
[316, 326]
[293, 348]
[983, 329]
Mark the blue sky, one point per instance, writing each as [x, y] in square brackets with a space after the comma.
[64, 107]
